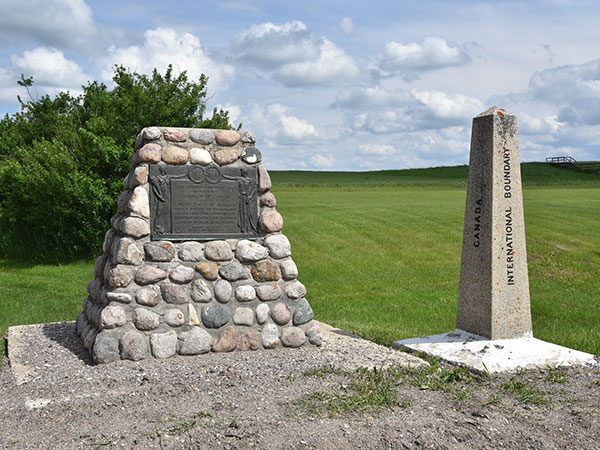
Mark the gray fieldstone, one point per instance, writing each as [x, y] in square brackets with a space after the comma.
[218, 251]
[201, 292]
[201, 136]
[225, 156]
[288, 268]
[303, 313]
[195, 342]
[248, 138]
[264, 180]
[228, 138]
[174, 294]
[269, 336]
[139, 203]
[223, 291]
[135, 227]
[108, 240]
[149, 153]
[149, 274]
[93, 288]
[174, 317]
[210, 271]
[314, 337]
[145, 320]
[163, 345]
[262, 313]
[192, 315]
[233, 271]
[90, 338]
[134, 346]
[249, 341]
[112, 316]
[243, 316]
[119, 276]
[122, 201]
[200, 156]
[292, 337]
[265, 271]
[106, 349]
[159, 251]
[278, 245]
[191, 251]
[215, 316]
[227, 342]
[248, 251]
[268, 292]
[268, 200]
[251, 155]
[280, 314]
[151, 133]
[147, 297]
[173, 135]
[270, 221]
[121, 297]
[125, 251]
[99, 266]
[295, 290]
[245, 293]
[182, 274]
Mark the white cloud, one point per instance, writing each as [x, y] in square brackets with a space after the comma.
[346, 24]
[51, 73]
[269, 45]
[377, 149]
[384, 111]
[274, 123]
[234, 111]
[294, 55]
[322, 161]
[56, 22]
[433, 53]
[164, 46]
[333, 67]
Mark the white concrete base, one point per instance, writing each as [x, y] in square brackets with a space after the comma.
[491, 356]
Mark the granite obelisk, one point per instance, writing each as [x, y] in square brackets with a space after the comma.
[493, 299]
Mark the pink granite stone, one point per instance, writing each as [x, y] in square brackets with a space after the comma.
[249, 341]
[149, 153]
[174, 135]
[228, 138]
[271, 221]
[226, 156]
[227, 342]
[175, 155]
[149, 275]
[264, 180]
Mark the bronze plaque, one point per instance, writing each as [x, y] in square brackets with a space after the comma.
[193, 202]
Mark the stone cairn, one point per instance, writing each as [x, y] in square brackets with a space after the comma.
[158, 297]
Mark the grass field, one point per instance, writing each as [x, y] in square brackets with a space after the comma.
[379, 253]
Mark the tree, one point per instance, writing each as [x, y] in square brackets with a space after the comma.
[63, 159]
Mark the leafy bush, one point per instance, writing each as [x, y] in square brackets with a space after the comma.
[63, 159]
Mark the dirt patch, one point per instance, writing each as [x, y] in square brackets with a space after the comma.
[308, 398]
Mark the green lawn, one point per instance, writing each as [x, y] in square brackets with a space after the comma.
[380, 254]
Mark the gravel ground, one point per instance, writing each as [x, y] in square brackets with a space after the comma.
[52, 397]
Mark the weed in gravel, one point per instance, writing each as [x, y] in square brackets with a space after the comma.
[323, 371]
[202, 414]
[524, 392]
[494, 399]
[462, 394]
[441, 378]
[368, 390]
[556, 375]
[182, 427]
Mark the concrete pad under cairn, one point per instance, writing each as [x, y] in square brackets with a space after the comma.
[485, 355]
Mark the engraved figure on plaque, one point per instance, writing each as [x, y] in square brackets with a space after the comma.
[247, 217]
[160, 188]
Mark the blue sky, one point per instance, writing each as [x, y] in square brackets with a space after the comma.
[336, 85]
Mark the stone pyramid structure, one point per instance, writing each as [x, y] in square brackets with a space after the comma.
[195, 260]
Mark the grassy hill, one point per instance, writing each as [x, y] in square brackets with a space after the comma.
[533, 174]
